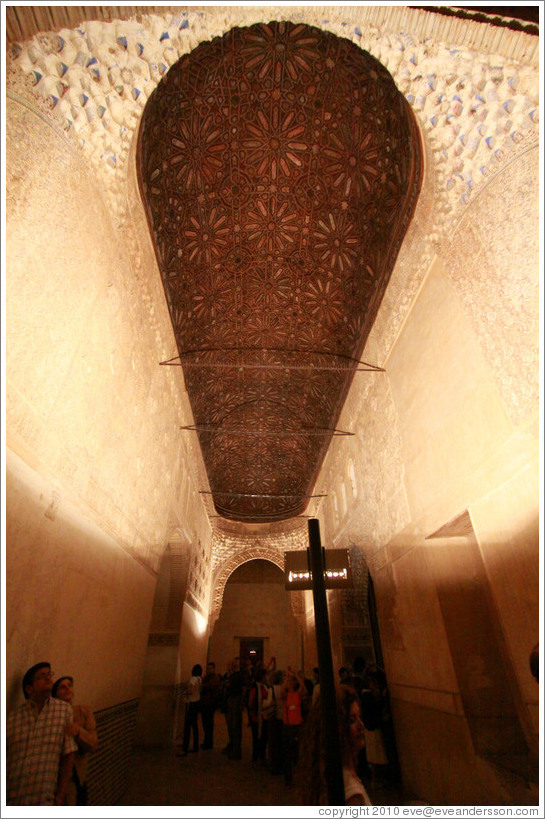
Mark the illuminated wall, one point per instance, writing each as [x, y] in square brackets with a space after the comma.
[97, 473]
[442, 499]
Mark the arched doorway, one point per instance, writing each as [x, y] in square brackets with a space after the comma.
[256, 615]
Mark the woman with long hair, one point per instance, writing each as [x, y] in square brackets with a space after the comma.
[312, 783]
[84, 731]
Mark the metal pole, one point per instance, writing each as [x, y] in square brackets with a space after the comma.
[328, 700]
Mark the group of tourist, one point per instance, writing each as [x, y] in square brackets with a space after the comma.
[49, 737]
[48, 742]
[202, 697]
[273, 702]
[282, 711]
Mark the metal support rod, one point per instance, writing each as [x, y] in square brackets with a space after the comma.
[371, 368]
[328, 700]
[176, 361]
[250, 495]
[267, 434]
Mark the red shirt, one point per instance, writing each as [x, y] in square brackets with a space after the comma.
[292, 708]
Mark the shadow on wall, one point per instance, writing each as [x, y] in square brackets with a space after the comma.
[492, 702]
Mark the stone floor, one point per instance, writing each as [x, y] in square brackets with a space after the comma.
[160, 778]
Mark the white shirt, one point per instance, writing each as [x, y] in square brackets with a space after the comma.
[353, 786]
[194, 689]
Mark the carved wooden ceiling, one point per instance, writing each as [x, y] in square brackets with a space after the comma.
[279, 167]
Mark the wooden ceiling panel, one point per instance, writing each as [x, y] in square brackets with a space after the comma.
[279, 166]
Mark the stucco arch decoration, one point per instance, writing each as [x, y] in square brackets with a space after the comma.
[380, 508]
[474, 88]
[255, 552]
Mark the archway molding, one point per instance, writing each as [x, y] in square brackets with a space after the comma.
[227, 568]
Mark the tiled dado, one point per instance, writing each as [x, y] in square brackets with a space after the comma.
[109, 764]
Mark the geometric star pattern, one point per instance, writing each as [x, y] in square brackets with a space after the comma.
[279, 167]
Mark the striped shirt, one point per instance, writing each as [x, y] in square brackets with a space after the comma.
[35, 743]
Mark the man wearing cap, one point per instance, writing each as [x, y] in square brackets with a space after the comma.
[39, 750]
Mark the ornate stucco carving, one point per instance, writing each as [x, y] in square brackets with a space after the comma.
[472, 90]
[74, 406]
[258, 550]
[379, 508]
[497, 279]
[227, 546]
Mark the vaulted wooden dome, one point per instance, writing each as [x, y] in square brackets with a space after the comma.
[279, 166]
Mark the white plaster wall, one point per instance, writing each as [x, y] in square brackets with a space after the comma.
[506, 522]
[257, 610]
[86, 399]
[92, 424]
[156, 709]
[73, 596]
[453, 425]
[193, 643]
[449, 413]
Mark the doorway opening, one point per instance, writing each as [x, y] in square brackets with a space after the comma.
[251, 648]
